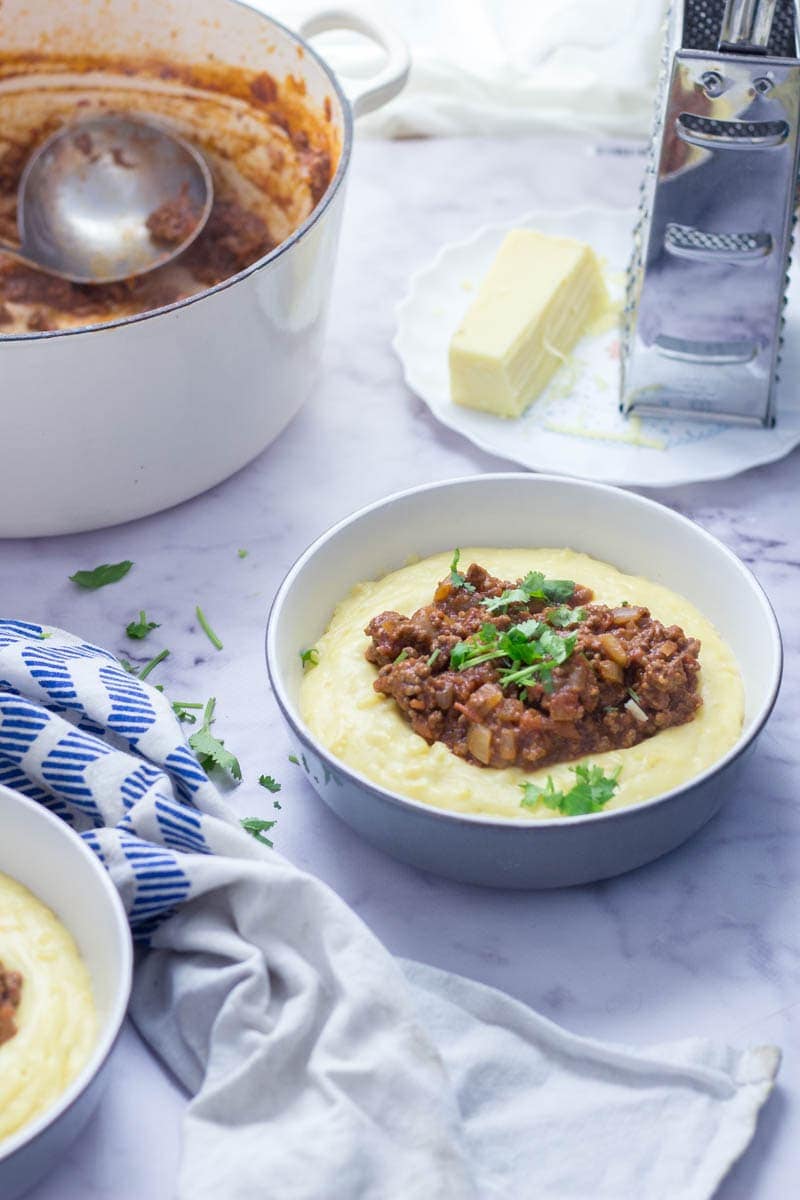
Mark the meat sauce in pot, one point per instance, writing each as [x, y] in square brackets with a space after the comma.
[271, 157]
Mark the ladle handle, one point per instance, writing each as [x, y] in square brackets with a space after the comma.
[16, 253]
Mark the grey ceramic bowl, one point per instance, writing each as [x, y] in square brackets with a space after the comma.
[40, 851]
[636, 535]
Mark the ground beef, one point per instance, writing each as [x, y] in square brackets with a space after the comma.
[628, 677]
[174, 220]
[232, 239]
[10, 995]
[6, 316]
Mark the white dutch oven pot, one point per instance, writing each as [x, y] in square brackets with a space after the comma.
[104, 424]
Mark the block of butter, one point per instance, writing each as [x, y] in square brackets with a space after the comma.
[537, 300]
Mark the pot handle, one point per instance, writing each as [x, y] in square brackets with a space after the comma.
[367, 95]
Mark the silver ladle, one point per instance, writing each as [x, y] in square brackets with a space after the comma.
[87, 193]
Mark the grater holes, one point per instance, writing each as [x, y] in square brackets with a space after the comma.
[710, 131]
[686, 240]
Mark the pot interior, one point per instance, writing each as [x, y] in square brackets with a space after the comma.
[263, 109]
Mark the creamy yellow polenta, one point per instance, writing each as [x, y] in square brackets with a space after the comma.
[367, 731]
[56, 1020]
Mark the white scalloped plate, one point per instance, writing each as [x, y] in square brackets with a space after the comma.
[575, 428]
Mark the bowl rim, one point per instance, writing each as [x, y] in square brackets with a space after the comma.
[397, 799]
[334, 186]
[112, 1026]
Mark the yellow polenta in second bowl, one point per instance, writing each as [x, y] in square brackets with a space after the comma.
[367, 732]
[55, 1022]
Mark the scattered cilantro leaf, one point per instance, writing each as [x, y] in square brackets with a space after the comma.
[102, 575]
[294, 759]
[140, 629]
[242, 553]
[309, 658]
[591, 791]
[210, 750]
[457, 580]
[206, 628]
[148, 667]
[257, 828]
[43, 635]
[269, 783]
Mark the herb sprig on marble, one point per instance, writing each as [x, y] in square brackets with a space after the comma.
[103, 575]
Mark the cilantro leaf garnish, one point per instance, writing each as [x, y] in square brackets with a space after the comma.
[294, 759]
[243, 553]
[310, 657]
[540, 588]
[533, 587]
[591, 791]
[529, 651]
[210, 750]
[206, 628]
[562, 617]
[101, 576]
[257, 828]
[457, 580]
[269, 783]
[140, 629]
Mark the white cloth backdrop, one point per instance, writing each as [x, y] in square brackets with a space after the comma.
[509, 66]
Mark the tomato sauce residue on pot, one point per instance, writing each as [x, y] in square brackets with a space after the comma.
[271, 156]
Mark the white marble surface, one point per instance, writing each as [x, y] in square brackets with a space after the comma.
[704, 942]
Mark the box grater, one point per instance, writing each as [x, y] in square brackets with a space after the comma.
[708, 274]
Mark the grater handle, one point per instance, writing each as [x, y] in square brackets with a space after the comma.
[746, 25]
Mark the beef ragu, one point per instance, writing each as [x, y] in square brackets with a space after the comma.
[10, 996]
[533, 672]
